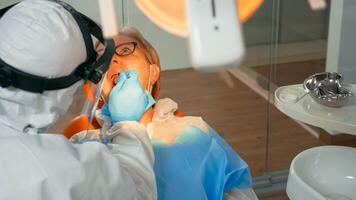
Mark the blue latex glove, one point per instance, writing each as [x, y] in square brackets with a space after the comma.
[198, 166]
[127, 100]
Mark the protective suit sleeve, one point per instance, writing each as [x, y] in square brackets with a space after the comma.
[48, 166]
[131, 144]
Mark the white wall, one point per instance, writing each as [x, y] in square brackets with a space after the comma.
[172, 50]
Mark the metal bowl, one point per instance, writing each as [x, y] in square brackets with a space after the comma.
[326, 89]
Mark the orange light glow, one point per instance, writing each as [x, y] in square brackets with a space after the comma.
[172, 17]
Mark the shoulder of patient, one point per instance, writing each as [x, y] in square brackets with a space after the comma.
[165, 112]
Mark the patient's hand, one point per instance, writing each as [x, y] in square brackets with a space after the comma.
[167, 127]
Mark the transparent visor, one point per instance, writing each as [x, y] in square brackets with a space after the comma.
[80, 115]
[95, 100]
[88, 100]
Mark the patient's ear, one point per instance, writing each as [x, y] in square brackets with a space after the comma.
[155, 73]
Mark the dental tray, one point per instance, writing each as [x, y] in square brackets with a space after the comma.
[292, 101]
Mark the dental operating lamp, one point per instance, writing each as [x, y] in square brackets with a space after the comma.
[214, 34]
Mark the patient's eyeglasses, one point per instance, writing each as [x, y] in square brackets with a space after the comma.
[126, 48]
[123, 49]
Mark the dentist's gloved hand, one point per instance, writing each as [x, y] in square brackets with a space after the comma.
[128, 100]
[89, 136]
[123, 128]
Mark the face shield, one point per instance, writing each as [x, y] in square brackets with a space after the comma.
[81, 114]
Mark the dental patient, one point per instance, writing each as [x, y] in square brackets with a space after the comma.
[191, 160]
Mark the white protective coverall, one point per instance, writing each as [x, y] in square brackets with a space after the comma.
[41, 38]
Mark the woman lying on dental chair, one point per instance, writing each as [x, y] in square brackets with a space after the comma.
[191, 160]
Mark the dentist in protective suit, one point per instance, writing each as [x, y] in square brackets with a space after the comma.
[46, 50]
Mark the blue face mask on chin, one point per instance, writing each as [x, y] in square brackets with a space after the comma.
[128, 101]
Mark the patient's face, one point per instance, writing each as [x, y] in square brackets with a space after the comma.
[130, 55]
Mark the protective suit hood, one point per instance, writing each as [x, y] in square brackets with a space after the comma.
[41, 38]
